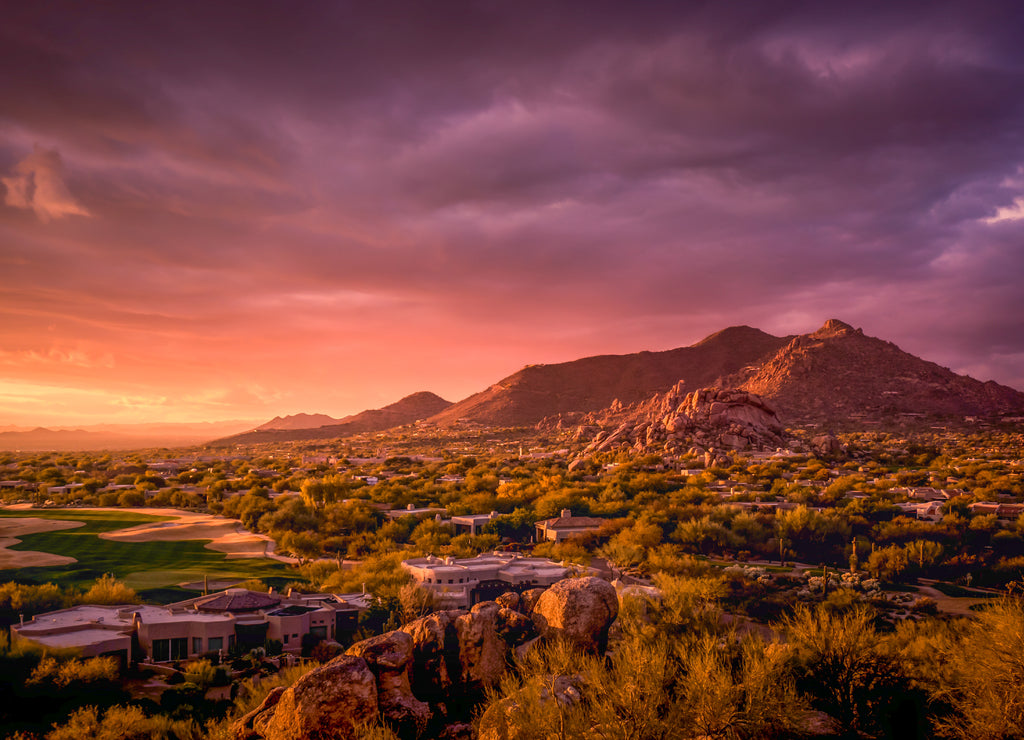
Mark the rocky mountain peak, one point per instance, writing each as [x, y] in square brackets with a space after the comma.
[835, 328]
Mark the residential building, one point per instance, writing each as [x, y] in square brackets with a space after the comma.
[471, 523]
[463, 582]
[566, 525]
[212, 623]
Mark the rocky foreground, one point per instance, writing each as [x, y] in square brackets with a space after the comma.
[425, 678]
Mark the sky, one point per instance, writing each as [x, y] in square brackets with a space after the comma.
[236, 210]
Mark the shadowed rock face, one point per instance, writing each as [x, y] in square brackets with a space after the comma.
[418, 678]
[389, 657]
[435, 665]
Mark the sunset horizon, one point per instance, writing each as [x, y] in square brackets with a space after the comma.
[249, 210]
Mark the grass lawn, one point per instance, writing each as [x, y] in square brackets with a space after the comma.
[141, 565]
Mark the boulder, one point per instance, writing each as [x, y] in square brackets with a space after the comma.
[514, 628]
[481, 649]
[435, 656]
[503, 719]
[242, 729]
[826, 445]
[579, 610]
[508, 600]
[328, 702]
[528, 599]
[389, 657]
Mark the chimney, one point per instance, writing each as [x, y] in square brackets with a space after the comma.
[566, 514]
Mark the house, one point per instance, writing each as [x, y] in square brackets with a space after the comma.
[212, 623]
[411, 510]
[566, 525]
[1005, 512]
[463, 582]
[472, 523]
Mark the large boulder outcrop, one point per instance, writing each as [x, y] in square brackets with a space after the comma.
[389, 657]
[428, 677]
[329, 702]
[677, 421]
[579, 610]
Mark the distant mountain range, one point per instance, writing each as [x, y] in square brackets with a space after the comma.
[116, 436]
[836, 375]
[410, 409]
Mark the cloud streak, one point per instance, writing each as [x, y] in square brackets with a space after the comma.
[37, 184]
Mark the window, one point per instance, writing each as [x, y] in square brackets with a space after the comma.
[215, 643]
[179, 648]
[451, 580]
[320, 632]
[197, 645]
[161, 650]
[285, 639]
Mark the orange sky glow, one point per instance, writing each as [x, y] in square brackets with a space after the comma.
[208, 214]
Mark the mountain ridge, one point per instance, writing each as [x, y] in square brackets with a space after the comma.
[412, 408]
[591, 383]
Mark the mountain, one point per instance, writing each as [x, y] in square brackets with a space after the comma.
[117, 436]
[299, 421]
[410, 409]
[838, 373]
[592, 383]
[835, 375]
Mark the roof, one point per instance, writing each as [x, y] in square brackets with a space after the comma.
[237, 600]
[571, 522]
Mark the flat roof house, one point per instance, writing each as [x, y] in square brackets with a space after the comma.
[463, 582]
[205, 624]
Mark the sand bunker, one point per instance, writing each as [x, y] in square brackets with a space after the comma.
[227, 535]
[14, 527]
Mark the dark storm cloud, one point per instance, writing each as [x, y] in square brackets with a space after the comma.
[644, 172]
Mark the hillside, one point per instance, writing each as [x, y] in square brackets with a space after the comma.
[593, 383]
[412, 408]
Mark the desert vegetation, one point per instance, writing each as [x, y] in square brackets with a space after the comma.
[798, 594]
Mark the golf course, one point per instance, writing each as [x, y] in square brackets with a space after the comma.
[152, 552]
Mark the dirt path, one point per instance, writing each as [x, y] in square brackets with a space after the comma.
[958, 605]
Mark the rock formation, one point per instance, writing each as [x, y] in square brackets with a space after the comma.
[432, 671]
[676, 422]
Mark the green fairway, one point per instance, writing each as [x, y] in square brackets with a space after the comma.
[141, 565]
